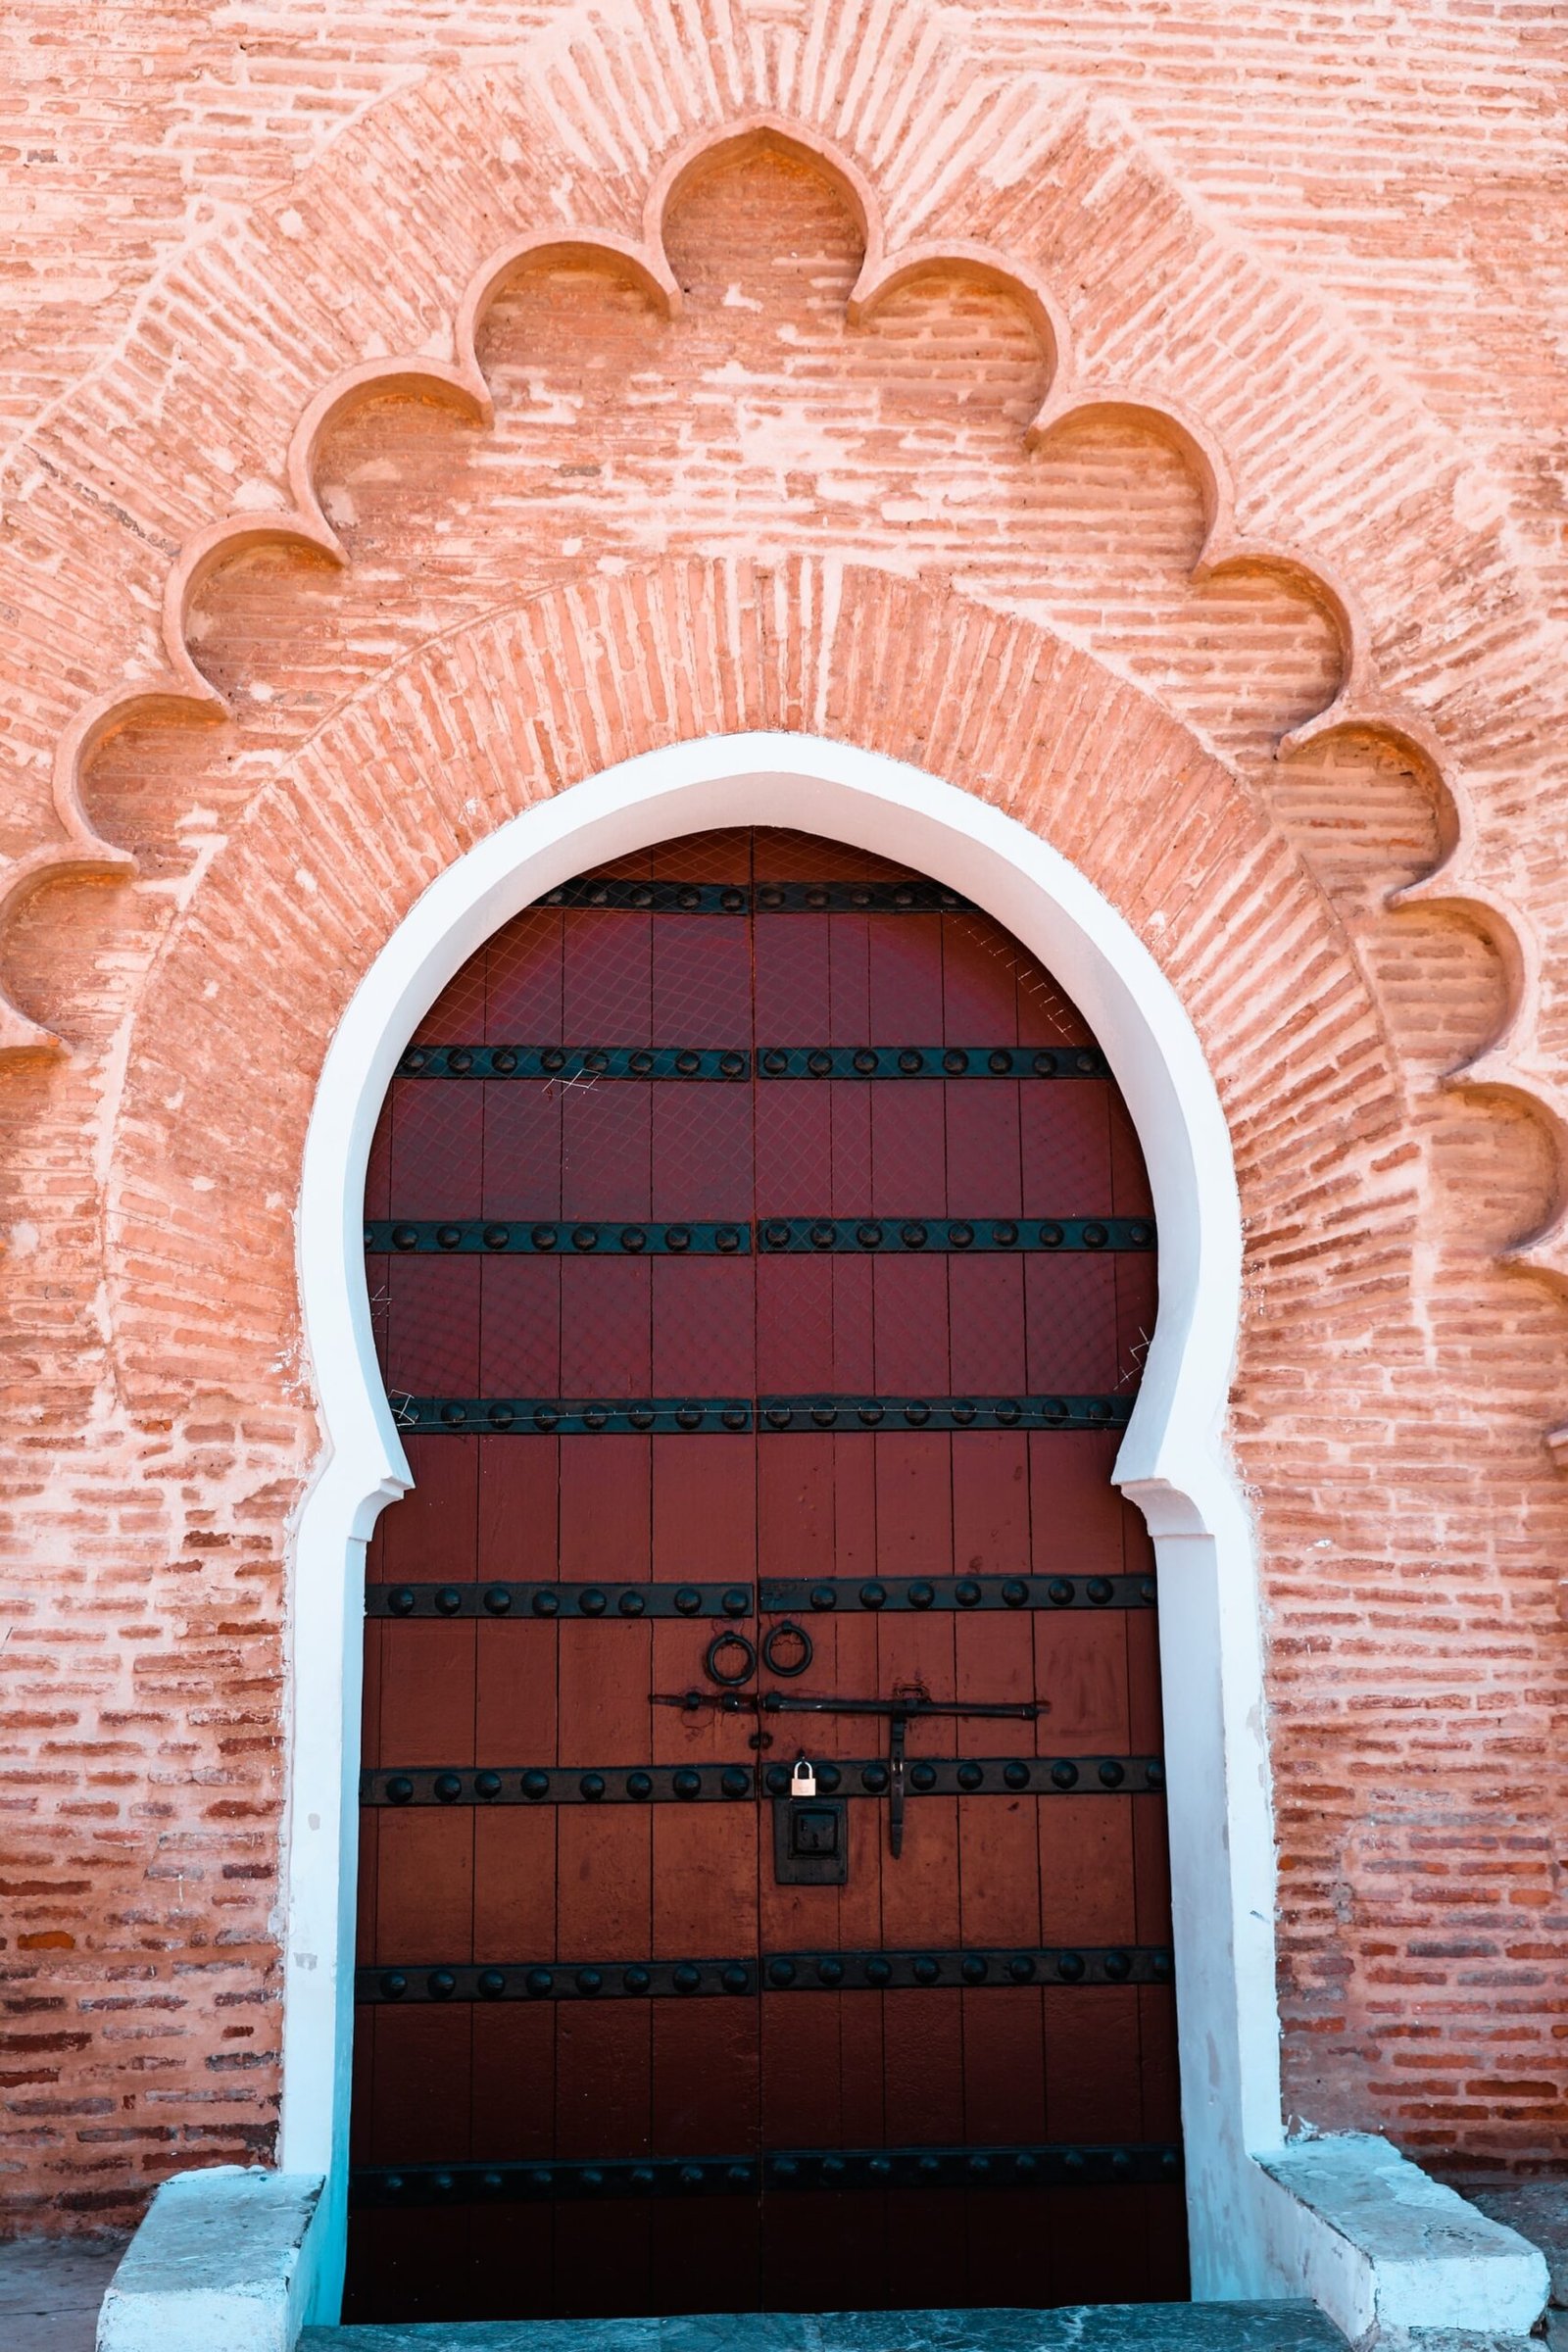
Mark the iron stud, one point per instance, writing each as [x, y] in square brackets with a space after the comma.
[492, 1983]
[448, 1787]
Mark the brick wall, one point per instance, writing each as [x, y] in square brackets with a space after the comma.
[1282, 294]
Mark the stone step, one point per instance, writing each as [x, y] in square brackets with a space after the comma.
[1096, 2327]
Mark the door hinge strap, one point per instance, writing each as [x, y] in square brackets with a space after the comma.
[769, 1416]
[707, 1783]
[994, 1965]
[1047, 2165]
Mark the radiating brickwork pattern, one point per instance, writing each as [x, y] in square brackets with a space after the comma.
[755, 508]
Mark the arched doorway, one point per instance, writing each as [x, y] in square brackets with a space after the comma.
[763, 1262]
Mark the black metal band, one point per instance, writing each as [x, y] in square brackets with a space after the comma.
[888, 1237]
[492, 1599]
[587, 892]
[850, 1415]
[1043, 2165]
[964, 1594]
[570, 1064]
[784, 1972]
[734, 1783]
[931, 1061]
[480, 1237]
[574, 1416]
[711, 1416]
[941, 1237]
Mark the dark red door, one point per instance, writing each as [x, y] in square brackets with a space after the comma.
[762, 1262]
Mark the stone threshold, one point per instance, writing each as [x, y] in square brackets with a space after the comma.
[1100, 2328]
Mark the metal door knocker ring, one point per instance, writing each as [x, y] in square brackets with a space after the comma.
[787, 1632]
[730, 1640]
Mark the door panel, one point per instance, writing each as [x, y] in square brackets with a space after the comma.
[606, 2060]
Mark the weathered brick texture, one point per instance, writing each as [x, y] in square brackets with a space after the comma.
[1279, 293]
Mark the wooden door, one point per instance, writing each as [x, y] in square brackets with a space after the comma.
[762, 1260]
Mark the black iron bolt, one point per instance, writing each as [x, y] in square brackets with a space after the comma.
[399, 1789]
[536, 1783]
[591, 1786]
[449, 1600]
[441, 1984]
[545, 1605]
[400, 1603]
[448, 1787]
[394, 1984]
[639, 1784]
[1111, 1774]
[591, 1602]
[487, 1785]
[492, 1983]
[1064, 1775]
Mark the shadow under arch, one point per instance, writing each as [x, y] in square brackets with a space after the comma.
[1172, 1460]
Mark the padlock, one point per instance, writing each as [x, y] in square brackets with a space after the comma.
[802, 1779]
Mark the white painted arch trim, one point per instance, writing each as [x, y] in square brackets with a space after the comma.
[1172, 1460]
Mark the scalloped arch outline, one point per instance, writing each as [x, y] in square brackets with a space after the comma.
[1500, 1067]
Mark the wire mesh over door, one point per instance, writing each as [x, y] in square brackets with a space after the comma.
[763, 1891]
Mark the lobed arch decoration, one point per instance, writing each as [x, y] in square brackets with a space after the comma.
[1508, 1067]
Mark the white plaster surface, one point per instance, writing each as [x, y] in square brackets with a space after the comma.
[223, 2262]
[1386, 2250]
